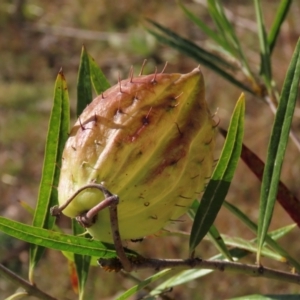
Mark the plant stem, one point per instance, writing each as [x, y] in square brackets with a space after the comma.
[197, 263]
[27, 286]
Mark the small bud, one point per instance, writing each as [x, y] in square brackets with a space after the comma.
[149, 140]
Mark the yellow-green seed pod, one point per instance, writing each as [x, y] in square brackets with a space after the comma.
[148, 139]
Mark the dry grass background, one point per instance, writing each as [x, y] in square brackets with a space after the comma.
[38, 37]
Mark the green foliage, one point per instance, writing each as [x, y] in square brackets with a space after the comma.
[56, 240]
[277, 146]
[42, 233]
[57, 136]
[239, 250]
[219, 183]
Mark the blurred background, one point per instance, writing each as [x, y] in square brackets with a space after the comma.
[37, 38]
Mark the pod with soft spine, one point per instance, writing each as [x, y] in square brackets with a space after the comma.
[150, 140]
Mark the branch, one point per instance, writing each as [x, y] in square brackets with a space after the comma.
[197, 263]
[28, 287]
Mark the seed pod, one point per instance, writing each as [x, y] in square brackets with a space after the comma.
[148, 139]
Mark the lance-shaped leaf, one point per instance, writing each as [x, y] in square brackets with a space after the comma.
[84, 84]
[183, 277]
[57, 135]
[213, 233]
[281, 13]
[144, 284]
[99, 81]
[289, 202]
[84, 97]
[82, 262]
[265, 67]
[218, 186]
[227, 33]
[277, 146]
[58, 241]
[269, 241]
[89, 75]
[212, 61]
[202, 25]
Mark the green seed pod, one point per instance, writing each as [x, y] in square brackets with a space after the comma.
[148, 139]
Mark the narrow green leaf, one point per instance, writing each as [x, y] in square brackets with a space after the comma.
[188, 275]
[82, 262]
[277, 146]
[57, 135]
[187, 44]
[84, 85]
[202, 25]
[143, 284]
[218, 186]
[219, 242]
[265, 68]
[84, 97]
[68, 255]
[178, 279]
[250, 246]
[225, 28]
[89, 74]
[213, 233]
[281, 232]
[185, 276]
[220, 20]
[227, 34]
[99, 81]
[281, 13]
[285, 197]
[56, 240]
[269, 239]
[212, 61]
